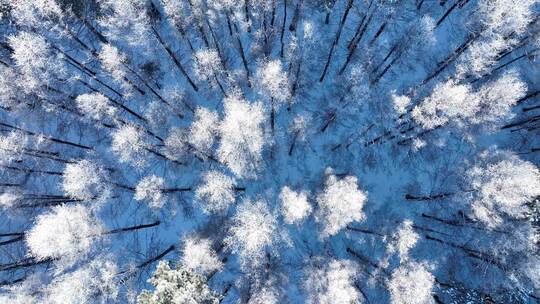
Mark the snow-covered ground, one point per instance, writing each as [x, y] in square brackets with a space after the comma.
[272, 151]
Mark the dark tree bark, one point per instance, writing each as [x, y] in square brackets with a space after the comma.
[175, 60]
[336, 39]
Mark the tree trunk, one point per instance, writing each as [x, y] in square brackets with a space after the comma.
[296, 16]
[132, 228]
[336, 39]
[175, 60]
[26, 263]
[282, 42]
[379, 32]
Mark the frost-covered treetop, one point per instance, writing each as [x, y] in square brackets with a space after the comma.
[37, 64]
[128, 143]
[295, 205]
[93, 283]
[252, 233]
[411, 283]
[113, 61]
[333, 283]
[455, 102]
[273, 81]
[216, 192]
[180, 285]
[149, 189]
[405, 239]
[197, 254]
[340, 204]
[204, 130]
[65, 232]
[85, 180]
[242, 137]
[503, 188]
[95, 105]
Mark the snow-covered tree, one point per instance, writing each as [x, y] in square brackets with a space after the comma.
[176, 143]
[33, 12]
[177, 285]
[11, 147]
[503, 188]
[265, 295]
[497, 99]
[253, 232]
[242, 137]
[340, 204]
[204, 129]
[37, 63]
[94, 283]
[207, 65]
[216, 192]
[95, 105]
[197, 254]
[9, 200]
[500, 22]
[454, 102]
[448, 101]
[127, 126]
[127, 20]
[274, 81]
[113, 61]
[85, 180]
[149, 189]
[405, 239]
[129, 144]
[411, 283]
[66, 232]
[175, 10]
[295, 206]
[400, 103]
[333, 283]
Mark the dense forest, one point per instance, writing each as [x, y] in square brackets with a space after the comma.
[269, 151]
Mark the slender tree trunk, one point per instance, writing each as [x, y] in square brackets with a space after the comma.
[229, 25]
[296, 16]
[452, 57]
[434, 196]
[175, 60]
[459, 3]
[469, 252]
[378, 33]
[170, 190]
[26, 263]
[367, 231]
[293, 142]
[366, 260]
[353, 43]
[13, 282]
[282, 41]
[244, 60]
[157, 258]
[92, 29]
[272, 115]
[272, 20]
[13, 240]
[336, 39]
[381, 74]
[132, 228]
[296, 80]
[30, 171]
